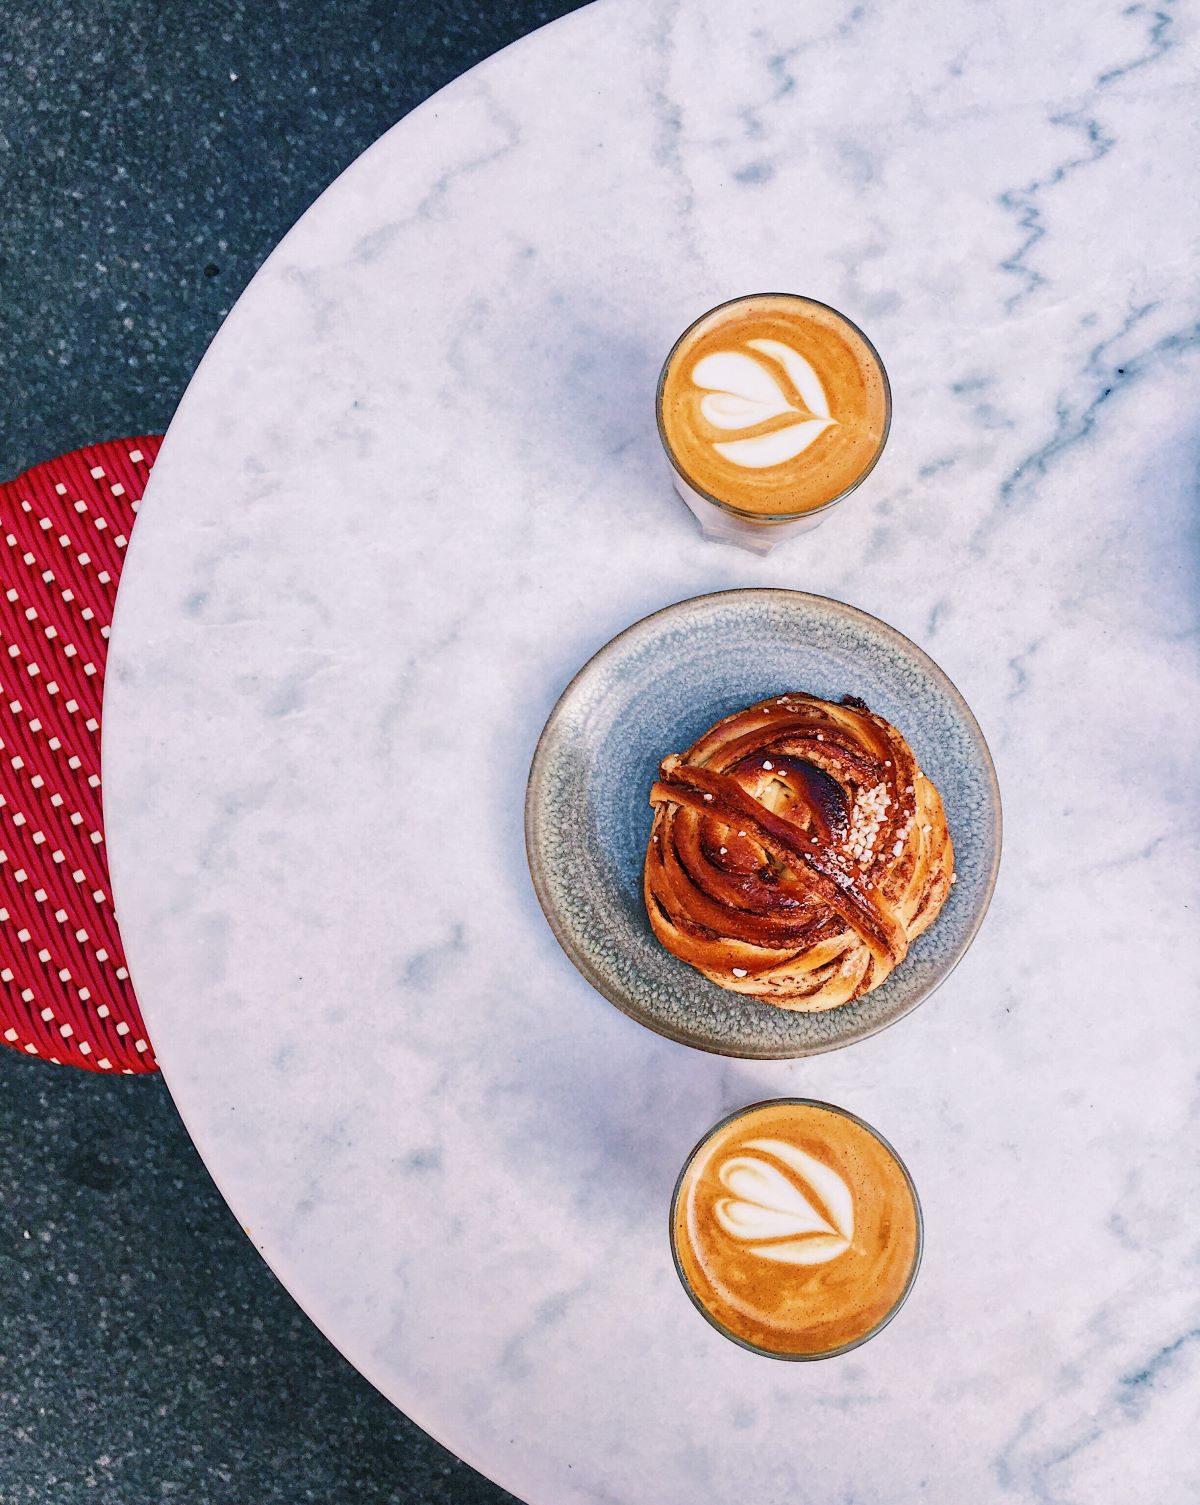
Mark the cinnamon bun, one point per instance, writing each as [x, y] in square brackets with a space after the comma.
[797, 850]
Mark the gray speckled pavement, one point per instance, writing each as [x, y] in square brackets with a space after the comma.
[152, 152]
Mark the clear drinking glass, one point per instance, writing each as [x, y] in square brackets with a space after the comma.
[719, 517]
[757, 1111]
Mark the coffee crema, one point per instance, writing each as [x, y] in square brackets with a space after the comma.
[773, 405]
[796, 1229]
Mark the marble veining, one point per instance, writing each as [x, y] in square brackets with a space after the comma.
[416, 483]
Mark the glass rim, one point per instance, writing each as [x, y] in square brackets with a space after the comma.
[918, 1253]
[766, 519]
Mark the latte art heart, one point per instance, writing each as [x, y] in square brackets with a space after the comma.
[795, 1229]
[741, 392]
[785, 1205]
[772, 404]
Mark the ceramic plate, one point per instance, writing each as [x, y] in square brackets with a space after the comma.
[653, 690]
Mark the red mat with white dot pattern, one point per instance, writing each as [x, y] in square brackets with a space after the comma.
[65, 994]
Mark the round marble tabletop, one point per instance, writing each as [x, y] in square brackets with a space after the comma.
[416, 482]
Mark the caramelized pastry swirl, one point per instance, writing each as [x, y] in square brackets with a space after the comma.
[796, 851]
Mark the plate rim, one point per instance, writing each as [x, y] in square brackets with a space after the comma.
[537, 772]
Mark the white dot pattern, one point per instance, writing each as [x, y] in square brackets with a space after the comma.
[65, 993]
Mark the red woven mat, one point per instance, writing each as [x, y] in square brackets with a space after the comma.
[65, 993]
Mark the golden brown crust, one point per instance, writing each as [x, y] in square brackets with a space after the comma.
[796, 851]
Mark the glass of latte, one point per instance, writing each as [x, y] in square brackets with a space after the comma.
[796, 1229]
[772, 408]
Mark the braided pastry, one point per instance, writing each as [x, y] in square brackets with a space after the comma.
[796, 851]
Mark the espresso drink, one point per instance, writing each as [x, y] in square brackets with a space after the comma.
[773, 406]
[796, 1229]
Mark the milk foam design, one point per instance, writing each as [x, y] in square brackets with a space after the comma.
[741, 392]
[801, 1216]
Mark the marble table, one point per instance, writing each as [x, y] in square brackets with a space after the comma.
[416, 482]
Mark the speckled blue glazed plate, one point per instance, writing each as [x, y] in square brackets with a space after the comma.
[653, 690]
